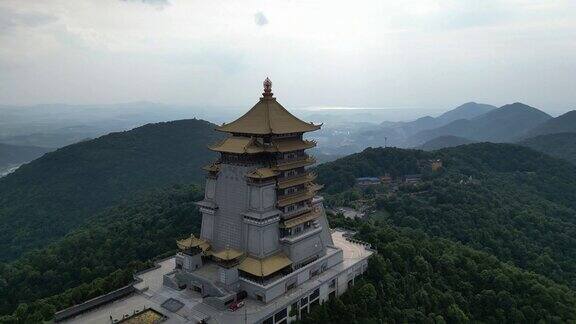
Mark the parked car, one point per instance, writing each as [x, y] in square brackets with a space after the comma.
[236, 306]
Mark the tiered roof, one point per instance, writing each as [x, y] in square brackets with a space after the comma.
[258, 131]
[249, 145]
[192, 242]
[308, 193]
[266, 266]
[302, 179]
[268, 117]
[311, 215]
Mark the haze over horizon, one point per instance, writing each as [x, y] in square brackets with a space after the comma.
[318, 54]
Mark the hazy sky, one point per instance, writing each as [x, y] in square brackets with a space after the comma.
[381, 53]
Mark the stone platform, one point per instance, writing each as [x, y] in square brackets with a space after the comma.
[151, 294]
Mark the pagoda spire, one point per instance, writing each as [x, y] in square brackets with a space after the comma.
[268, 117]
[267, 88]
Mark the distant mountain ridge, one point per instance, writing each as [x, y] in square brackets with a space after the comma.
[560, 145]
[45, 199]
[396, 134]
[468, 110]
[444, 142]
[565, 123]
[11, 155]
[504, 124]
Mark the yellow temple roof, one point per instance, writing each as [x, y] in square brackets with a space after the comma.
[242, 144]
[266, 266]
[228, 254]
[262, 173]
[295, 164]
[301, 219]
[234, 144]
[304, 178]
[292, 199]
[268, 117]
[306, 194]
[191, 242]
[291, 144]
[212, 167]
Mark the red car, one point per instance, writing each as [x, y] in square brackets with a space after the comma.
[235, 306]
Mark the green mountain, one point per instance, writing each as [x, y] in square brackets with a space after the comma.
[565, 123]
[506, 200]
[504, 124]
[50, 196]
[490, 238]
[561, 145]
[100, 256]
[469, 110]
[441, 142]
[14, 155]
[399, 133]
[415, 278]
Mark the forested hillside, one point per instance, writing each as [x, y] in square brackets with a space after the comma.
[14, 155]
[459, 246]
[419, 279]
[339, 175]
[507, 200]
[45, 199]
[561, 145]
[441, 142]
[99, 257]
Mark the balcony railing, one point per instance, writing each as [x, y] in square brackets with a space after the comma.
[296, 212]
[295, 180]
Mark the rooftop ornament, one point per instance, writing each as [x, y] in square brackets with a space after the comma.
[267, 88]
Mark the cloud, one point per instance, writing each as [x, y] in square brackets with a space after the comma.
[156, 3]
[260, 19]
[10, 19]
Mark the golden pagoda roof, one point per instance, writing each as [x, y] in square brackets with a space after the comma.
[313, 214]
[262, 173]
[212, 167]
[304, 178]
[266, 266]
[191, 242]
[268, 117]
[291, 144]
[305, 194]
[292, 199]
[295, 164]
[242, 144]
[234, 144]
[228, 254]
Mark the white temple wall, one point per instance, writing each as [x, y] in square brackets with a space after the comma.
[207, 229]
[263, 197]
[232, 199]
[270, 237]
[305, 248]
[323, 221]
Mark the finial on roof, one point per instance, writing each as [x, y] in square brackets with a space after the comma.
[267, 88]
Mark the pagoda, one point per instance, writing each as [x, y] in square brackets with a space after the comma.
[264, 229]
[264, 245]
[261, 217]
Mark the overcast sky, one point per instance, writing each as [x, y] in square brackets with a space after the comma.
[380, 53]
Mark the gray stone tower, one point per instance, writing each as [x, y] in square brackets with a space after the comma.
[259, 200]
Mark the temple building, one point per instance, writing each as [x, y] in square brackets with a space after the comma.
[265, 253]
